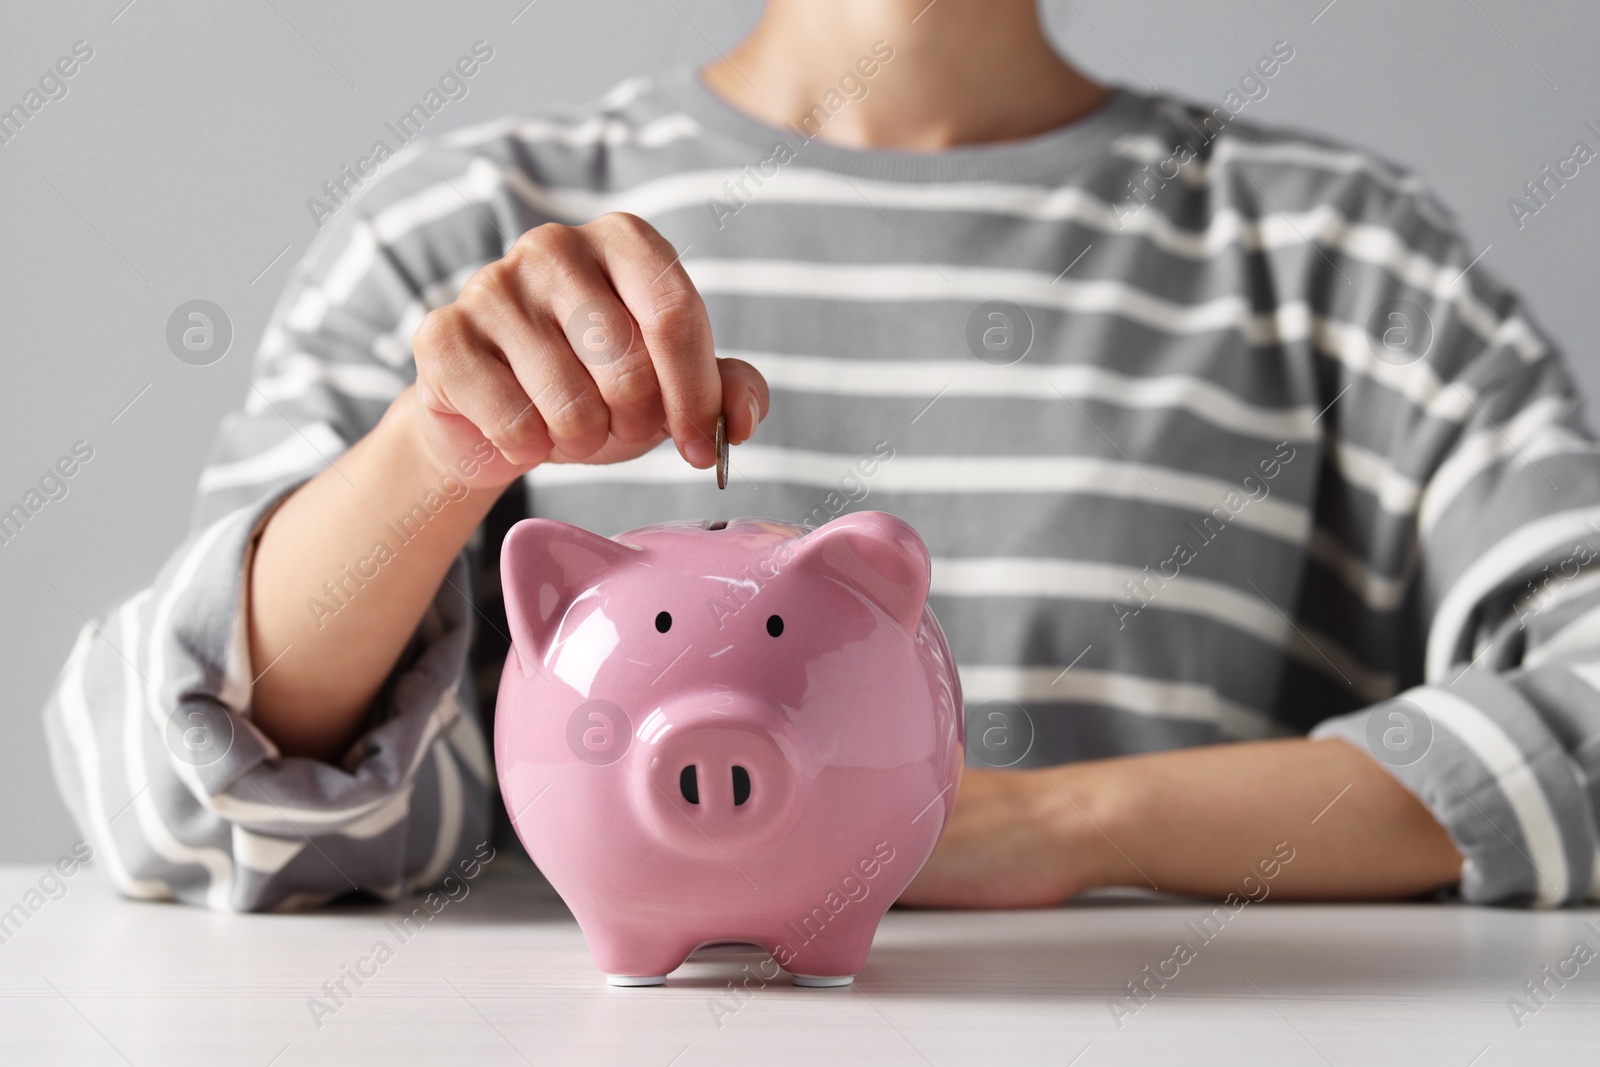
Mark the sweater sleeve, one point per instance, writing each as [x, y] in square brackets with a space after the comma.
[149, 722]
[1462, 475]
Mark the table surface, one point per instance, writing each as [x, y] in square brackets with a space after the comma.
[502, 976]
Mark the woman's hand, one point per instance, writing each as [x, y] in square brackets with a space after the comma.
[582, 344]
[1014, 841]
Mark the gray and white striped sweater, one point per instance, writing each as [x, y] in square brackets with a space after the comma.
[1217, 484]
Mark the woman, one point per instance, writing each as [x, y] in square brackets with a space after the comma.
[1215, 435]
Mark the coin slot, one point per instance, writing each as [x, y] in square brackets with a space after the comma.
[689, 784]
[720, 524]
[741, 785]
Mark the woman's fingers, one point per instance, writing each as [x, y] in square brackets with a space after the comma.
[584, 341]
[745, 398]
[646, 273]
[464, 378]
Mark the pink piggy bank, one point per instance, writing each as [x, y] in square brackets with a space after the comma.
[742, 732]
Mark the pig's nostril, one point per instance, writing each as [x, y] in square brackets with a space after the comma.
[689, 784]
[741, 785]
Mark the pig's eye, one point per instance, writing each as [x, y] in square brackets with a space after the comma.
[775, 625]
[663, 622]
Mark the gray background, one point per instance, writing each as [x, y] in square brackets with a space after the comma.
[182, 157]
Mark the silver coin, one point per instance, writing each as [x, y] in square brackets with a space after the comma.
[722, 451]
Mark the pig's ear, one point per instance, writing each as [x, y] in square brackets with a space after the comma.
[879, 555]
[544, 564]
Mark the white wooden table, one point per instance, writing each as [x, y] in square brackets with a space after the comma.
[502, 977]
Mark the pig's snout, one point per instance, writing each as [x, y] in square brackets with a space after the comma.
[719, 772]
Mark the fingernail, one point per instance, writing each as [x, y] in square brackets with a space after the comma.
[700, 452]
[755, 416]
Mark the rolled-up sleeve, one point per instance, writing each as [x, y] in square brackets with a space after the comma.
[1499, 736]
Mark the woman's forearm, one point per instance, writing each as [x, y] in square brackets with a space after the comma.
[342, 574]
[1202, 820]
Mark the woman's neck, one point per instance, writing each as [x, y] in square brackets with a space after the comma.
[957, 72]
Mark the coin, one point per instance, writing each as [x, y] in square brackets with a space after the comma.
[722, 451]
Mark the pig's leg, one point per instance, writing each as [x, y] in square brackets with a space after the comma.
[636, 957]
[833, 955]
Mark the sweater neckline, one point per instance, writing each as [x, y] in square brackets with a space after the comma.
[1046, 155]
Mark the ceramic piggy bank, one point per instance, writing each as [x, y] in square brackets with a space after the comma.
[741, 732]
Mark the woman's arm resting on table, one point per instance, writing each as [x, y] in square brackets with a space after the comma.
[1197, 821]
[1476, 595]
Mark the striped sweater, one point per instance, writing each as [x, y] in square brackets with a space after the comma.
[1213, 433]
